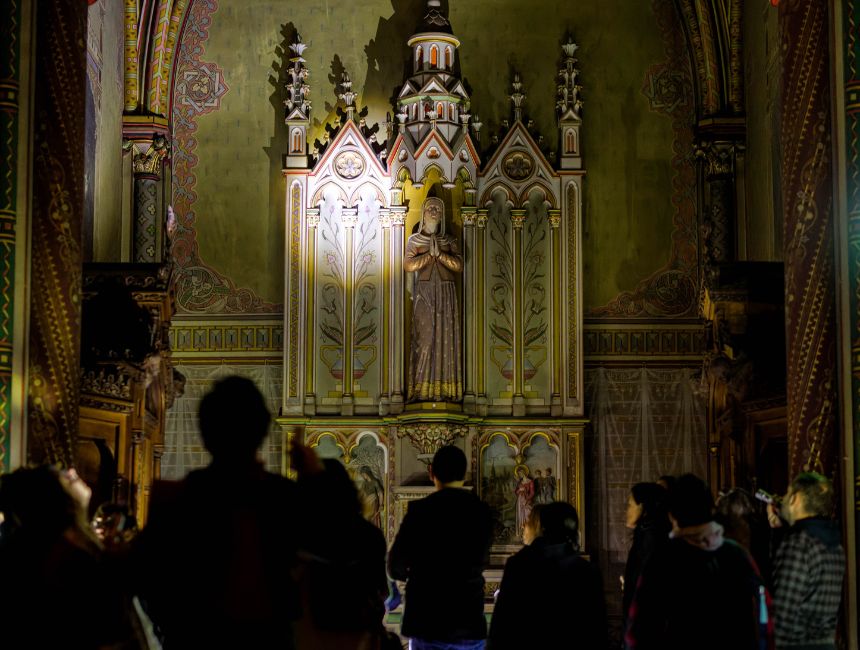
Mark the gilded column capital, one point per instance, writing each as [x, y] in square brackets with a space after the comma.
[554, 218]
[147, 155]
[385, 218]
[398, 215]
[518, 217]
[468, 214]
[718, 156]
[483, 217]
[313, 215]
[349, 217]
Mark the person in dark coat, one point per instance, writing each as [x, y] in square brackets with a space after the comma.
[550, 596]
[340, 568]
[700, 590]
[57, 591]
[213, 562]
[647, 516]
[441, 550]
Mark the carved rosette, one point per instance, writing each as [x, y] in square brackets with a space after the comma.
[429, 438]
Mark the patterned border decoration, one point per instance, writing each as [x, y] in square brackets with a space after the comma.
[623, 343]
[295, 288]
[200, 338]
[169, 23]
[199, 89]
[10, 25]
[58, 182]
[573, 217]
[807, 196]
[852, 138]
[671, 291]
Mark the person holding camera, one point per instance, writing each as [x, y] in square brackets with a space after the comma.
[809, 566]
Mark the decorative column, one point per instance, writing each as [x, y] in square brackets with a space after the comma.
[385, 397]
[398, 222]
[15, 118]
[147, 158]
[518, 218]
[807, 198]
[470, 317]
[313, 220]
[847, 97]
[718, 227]
[556, 382]
[57, 218]
[480, 297]
[350, 218]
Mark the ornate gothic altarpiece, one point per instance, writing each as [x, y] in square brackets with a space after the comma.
[481, 307]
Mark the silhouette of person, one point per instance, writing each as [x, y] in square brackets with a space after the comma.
[441, 550]
[214, 559]
[56, 588]
[342, 586]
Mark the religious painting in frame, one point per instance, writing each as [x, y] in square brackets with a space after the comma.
[365, 457]
[516, 471]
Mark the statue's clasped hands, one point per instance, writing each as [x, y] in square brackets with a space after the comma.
[434, 246]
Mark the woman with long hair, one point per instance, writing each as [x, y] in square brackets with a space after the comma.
[648, 519]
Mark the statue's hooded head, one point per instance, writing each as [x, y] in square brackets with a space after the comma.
[433, 217]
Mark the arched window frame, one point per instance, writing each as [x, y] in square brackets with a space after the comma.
[434, 56]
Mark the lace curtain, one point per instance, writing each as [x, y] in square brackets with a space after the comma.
[183, 449]
[645, 423]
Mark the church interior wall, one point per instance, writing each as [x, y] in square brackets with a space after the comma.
[760, 225]
[104, 176]
[238, 206]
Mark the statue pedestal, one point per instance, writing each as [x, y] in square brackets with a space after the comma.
[434, 407]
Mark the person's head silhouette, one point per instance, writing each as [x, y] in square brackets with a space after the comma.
[234, 420]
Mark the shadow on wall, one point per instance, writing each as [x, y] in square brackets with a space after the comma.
[389, 59]
[280, 137]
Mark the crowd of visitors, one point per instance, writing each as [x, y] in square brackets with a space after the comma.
[234, 556]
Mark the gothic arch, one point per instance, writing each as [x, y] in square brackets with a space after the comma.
[538, 186]
[489, 193]
[324, 189]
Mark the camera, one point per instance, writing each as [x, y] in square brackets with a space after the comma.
[767, 497]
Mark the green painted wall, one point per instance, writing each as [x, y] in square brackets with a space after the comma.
[627, 147]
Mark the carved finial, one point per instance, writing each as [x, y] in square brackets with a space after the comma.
[347, 96]
[298, 90]
[476, 125]
[517, 97]
[568, 90]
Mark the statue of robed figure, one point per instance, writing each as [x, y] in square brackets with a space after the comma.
[435, 369]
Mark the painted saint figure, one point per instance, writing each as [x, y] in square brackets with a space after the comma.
[435, 369]
[525, 492]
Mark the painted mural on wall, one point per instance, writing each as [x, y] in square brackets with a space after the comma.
[672, 290]
[365, 457]
[500, 293]
[200, 86]
[374, 51]
[536, 320]
[515, 475]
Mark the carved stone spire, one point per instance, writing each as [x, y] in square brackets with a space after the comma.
[568, 89]
[298, 106]
[569, 106]
[435, 20]
[517, 97]
[298, 90]
[348, 96]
